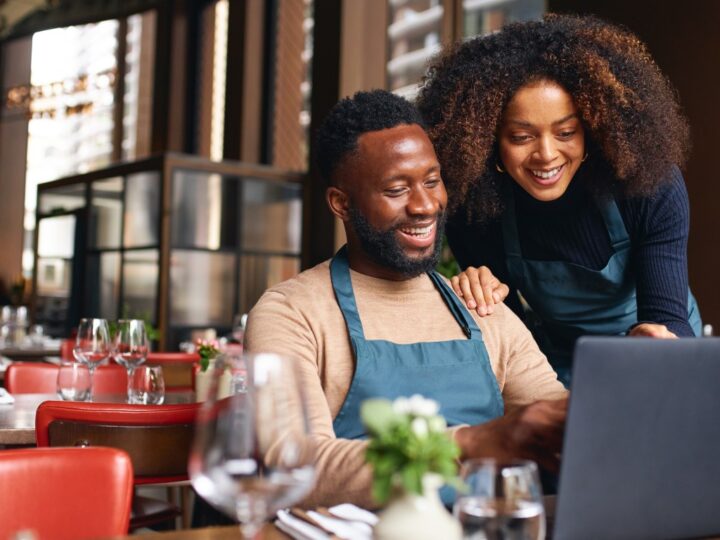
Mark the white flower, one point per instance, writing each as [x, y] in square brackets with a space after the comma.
[401, 405]
[419, 427]
[436, 424]
[419, 406]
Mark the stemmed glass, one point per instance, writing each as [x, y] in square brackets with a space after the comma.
[252, 454]
[92, 345]
[503, 501]
[130, 348]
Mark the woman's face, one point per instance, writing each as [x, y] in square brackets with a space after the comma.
[541, 139]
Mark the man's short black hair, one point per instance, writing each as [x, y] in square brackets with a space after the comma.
[351, 117]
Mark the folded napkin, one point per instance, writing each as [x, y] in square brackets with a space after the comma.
[4, 363]
[347, 522]
[5, 397]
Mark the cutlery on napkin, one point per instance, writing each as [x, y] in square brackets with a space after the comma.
[5, 397]
[345, 521]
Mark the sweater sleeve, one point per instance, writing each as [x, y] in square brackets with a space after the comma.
[660, 255]
[274, 325]
[524, 373]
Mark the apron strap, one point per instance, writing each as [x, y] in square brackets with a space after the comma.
[342, 285]
[460, 312]
[614, 224]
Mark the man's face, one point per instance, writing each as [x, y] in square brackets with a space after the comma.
[396, 201]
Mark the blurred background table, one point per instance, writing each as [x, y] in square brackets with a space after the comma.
[17, 420]
[28, 354]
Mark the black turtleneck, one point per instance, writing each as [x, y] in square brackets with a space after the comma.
[571, 229]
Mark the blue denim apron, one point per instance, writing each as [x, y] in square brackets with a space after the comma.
[568, 300]
[456, 373]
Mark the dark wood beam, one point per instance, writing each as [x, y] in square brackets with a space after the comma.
[318, 222]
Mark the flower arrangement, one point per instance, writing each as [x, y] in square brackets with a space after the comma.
[207, 349]
[408, 440]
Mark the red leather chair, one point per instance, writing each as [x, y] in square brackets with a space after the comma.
[39, 378]
[66, 349]
[65, 493]
[157, 438]
[177, 368]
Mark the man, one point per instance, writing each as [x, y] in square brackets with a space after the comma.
[376, 320]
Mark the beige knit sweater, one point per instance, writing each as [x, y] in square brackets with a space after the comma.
[300, 318]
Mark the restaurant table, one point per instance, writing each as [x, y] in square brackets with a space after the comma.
[17, 420]
[231, 532]
[27, 354]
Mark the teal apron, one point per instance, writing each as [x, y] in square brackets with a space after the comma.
[568, 300]
[456, 373]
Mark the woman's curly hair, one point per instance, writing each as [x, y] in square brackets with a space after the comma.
[634, 128]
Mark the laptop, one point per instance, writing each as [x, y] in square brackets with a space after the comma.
[641, 456]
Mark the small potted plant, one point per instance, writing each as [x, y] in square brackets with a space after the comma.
[412, 457]
[208, 350]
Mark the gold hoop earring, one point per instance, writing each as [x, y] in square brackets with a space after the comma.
[585, 157]
[499, 168]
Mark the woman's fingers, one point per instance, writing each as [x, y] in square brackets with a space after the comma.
[469, 286]
[652, 330]
[480, 289]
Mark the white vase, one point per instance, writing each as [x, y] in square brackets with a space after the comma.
[420, 517]
[203, 379]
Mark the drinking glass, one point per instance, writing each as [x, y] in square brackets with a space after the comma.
[252, 454]
[92, 345]
[73, 381]
[130, 347]
[146, 386]
[503, 501]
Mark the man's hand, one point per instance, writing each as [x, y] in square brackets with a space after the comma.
[480, 289]
[652, 330]
[532, 432]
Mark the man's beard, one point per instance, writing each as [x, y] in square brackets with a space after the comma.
[384, 249]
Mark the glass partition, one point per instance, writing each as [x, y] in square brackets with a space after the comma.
[140, 282]
[61, 199]
[229, 231]
[106, 213]
[142, 210]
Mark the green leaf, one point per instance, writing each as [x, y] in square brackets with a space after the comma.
[381, 489]
[377, 415]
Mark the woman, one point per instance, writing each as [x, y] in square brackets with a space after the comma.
[560, 142]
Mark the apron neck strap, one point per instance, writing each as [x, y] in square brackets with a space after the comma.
[617, 232]
[342, 285]
[461, 314]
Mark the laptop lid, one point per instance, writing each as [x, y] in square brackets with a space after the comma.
[641, 456]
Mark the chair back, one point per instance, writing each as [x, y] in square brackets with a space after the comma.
[157, 437]
[66, 349]
[177, 368]
[40, 378]
[65, 493]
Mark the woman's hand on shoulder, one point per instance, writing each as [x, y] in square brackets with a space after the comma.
[652, 330]
[480, 289]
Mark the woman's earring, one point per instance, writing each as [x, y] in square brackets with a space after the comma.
[585, 157]
[499, 168]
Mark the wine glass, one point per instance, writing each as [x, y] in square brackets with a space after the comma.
[146, 386]
[73, 381]
[92, 345]
[503, 501]
[130, 347]
[252, 454]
